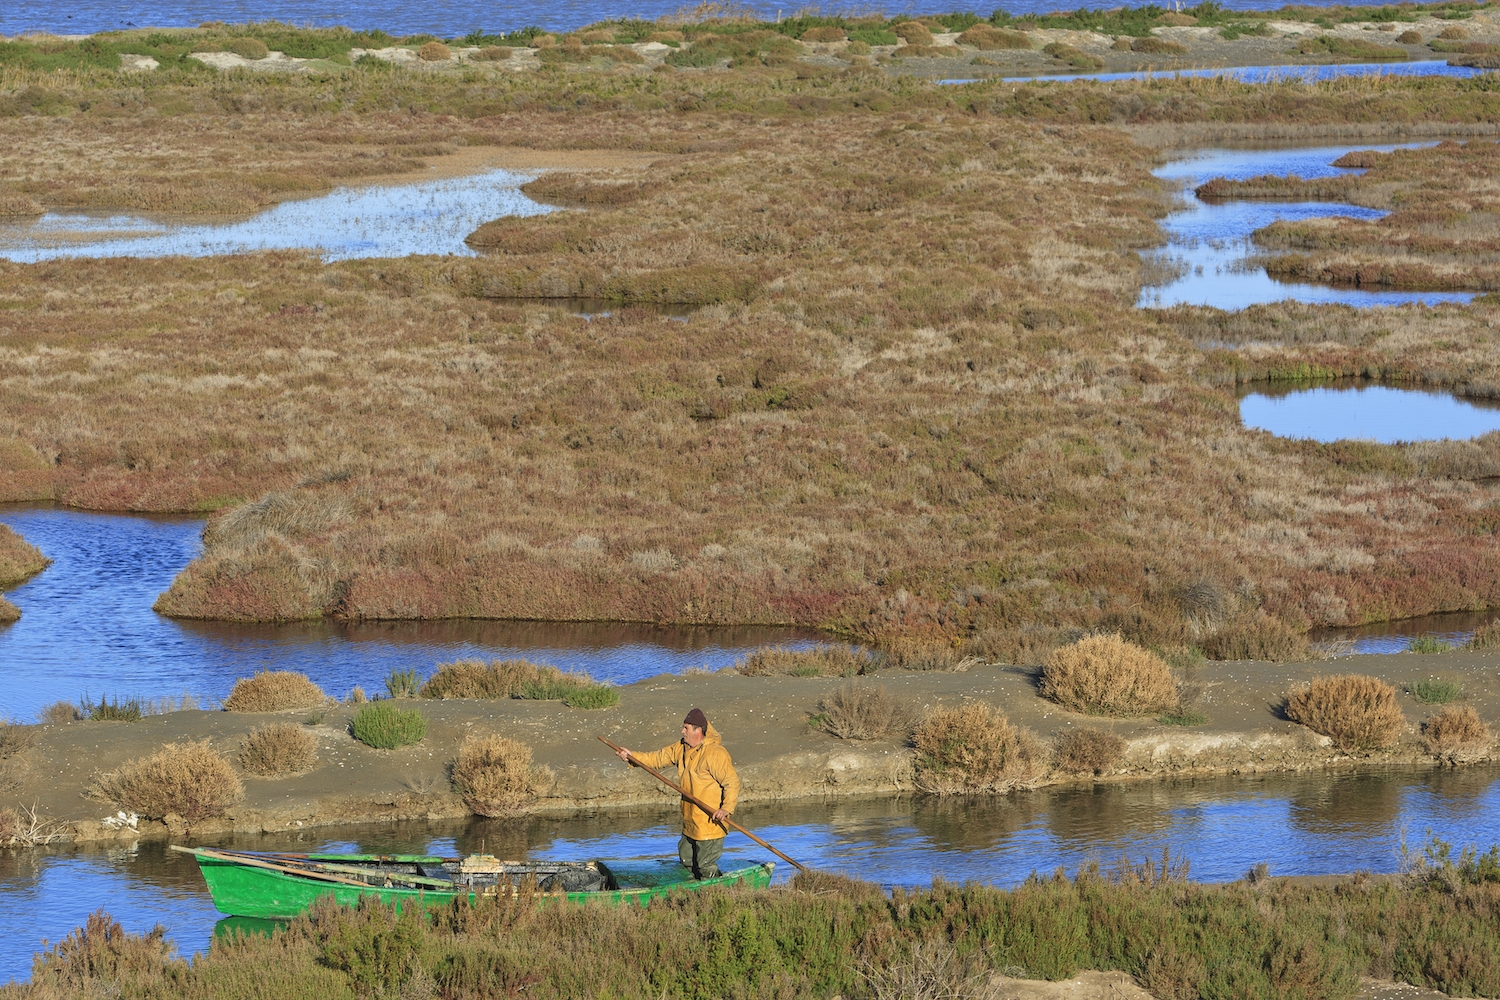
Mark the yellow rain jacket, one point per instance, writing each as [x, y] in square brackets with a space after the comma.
[706, 772]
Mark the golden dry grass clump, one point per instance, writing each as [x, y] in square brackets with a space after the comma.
[8, 611]
[914, 32]
[1456, 735]
[988, 38]
[974, 748]
[1088, 750]
[1358, 713]
[1105, 675]
[19, 559]
[494, 776]
[824, 33]
[189, 780]
[434, 51]
[861, 711]
[819, 661]
[279, 748]
[477, 679]
[273, 691]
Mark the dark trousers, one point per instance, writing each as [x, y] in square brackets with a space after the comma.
[702, 856]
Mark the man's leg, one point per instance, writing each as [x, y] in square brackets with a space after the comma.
[709, 853]
[685, 853]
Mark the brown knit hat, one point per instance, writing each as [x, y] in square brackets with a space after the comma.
[697, 718]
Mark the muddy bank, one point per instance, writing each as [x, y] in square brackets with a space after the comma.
[767, 726]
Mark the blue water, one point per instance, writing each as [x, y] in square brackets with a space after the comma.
[1379, 413]
[427, 217]
[1267, 74]
[1210, 241]
[446, 18]
[87, 628]
[1299, 824]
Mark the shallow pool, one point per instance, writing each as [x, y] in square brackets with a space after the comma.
[1366, 412]
[87, 628]
[1299, 824]
[425, 217]
[1208, 243]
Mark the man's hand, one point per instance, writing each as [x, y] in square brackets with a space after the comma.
[719, 815]
[623, 754]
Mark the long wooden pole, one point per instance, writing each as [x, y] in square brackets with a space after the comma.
[700, 803]
[240, 859]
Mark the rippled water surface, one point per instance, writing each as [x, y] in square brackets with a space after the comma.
[448, 18]
[1210, 241]
[87, 628]
[1454, 628]
[426, 217]
[1364, 412]
[1300, 825]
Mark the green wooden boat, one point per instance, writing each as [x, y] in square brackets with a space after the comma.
[282, 886]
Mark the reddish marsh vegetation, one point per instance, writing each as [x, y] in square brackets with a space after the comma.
[920, 406]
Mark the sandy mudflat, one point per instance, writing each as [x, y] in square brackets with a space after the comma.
[765, 721]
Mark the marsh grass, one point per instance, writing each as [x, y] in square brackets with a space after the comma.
[19, 559]
[8, 612]
[403, 684]
[273, 691]
[1429, 644]
[494, 776]
[279, 749]
[1487, 636]
[1435, 690]
[1360, 714]
[116, 710]
[190, 780]
[859, 710]
[517, 679]
[973, 748]
[383, 726]
[824, 935]
[1183, 716]
[829, 660]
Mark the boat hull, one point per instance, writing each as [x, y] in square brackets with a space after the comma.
[243, 891]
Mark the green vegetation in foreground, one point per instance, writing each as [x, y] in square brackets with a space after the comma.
[1429, 644]
[172, 48]
[1435, 691]
[384, 726]
[824, 935]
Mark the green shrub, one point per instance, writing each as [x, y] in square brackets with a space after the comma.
[104, 710]
[1183, 717]
[1429, 644]
[1435, 691]
[247, 48]
[402, 684]
[598, 696]
[384, 726]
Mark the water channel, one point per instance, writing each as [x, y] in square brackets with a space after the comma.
[1355, 410]
[87, 628]
[1209, 242]
[1300, 825]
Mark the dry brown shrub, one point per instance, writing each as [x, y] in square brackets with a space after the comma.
[1411, 37]
[1088, 750]
[820, 661]
[19, 204]
[494, 775]
[1358, 713]
[584, 192]
[1105, 675]
[859, 711]
[988, 38]
[1456, 735]
[1453, 33]
[273, 691]
[914, 32]
[10, 827]
[598, 37]
[190, 780]
[434, 51]
[15, 738]
[60, 712]
[1486, 636]
[666, 36]
[493, 53]
[477, 679]
[974, 748]
[279, 748]
[1157, 46]
[826, 33]
[8, 612]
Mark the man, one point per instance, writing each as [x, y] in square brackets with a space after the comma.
[704, 770]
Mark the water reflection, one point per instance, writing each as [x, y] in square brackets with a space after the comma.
[1311, 824]
[1363, 411]
[428, 217]
[1208, 244]
[87, 627]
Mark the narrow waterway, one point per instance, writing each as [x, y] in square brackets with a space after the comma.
[1209, 252]
[87, 628]
[1312, 824]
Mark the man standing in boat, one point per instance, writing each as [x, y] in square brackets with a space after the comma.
[704, 770]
